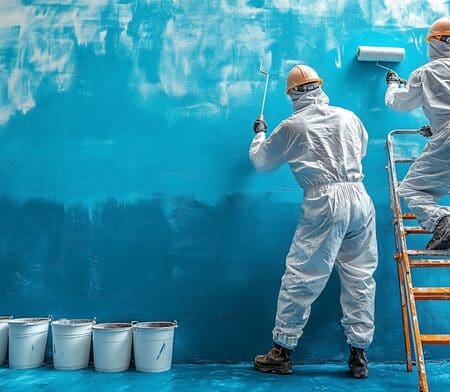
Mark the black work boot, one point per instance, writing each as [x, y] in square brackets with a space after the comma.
[276, 361]
[357, 362]
[441, 235]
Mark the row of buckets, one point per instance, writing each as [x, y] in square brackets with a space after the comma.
[112, 344]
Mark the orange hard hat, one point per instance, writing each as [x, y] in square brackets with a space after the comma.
[439, 28]
[299, 75]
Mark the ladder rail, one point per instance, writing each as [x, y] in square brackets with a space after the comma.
[402, 258]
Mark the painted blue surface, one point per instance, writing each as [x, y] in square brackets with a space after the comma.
[126, 189]
[239, 377]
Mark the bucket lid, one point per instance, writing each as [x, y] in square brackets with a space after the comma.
[156, 324]
[112, 326]
[73, 322]
[30, 321]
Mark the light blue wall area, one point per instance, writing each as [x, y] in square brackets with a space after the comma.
[126, 190]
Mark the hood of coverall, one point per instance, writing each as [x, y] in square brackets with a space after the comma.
[438, 49]
[302, 100]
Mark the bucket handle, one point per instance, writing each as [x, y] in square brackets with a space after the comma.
[94, 320]
[176, 323]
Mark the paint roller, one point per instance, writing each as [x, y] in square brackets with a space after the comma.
[381, 54]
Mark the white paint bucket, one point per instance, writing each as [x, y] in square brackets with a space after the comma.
[112, 346]
[71, 343]
[3, 337]
[27, 342]
[153, 344]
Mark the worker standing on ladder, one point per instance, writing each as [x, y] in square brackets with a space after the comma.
[324, 146]
[428, 178]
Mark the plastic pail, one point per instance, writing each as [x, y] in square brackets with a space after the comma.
[112, 346]
[3, 337]
[71, 343]
[27, 342]
[153, 344]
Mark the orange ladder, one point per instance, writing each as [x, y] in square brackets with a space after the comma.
[408, 259]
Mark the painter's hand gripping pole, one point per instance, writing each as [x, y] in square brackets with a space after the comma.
[266, 74]
[408, 260]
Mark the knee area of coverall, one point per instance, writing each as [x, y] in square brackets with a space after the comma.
[295, 288]
[306, 277]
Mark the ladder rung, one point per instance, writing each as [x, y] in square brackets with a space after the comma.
[431, 293]
[429, 263]
[415, 230]
[405, 160]
[435, 339]
[408, 215]
[425, 252]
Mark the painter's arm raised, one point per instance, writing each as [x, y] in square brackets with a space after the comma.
[268, 154]
[405, 98]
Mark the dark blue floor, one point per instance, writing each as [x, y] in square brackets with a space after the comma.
[212, 377]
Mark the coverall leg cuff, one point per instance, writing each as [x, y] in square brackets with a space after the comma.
[360, 344]
[286, 341]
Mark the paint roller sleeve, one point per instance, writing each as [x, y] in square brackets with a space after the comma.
[378, 53]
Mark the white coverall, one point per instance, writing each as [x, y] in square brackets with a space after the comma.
[428, 178]
[323, 146]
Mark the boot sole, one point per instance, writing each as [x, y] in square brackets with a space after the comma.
[441, 245]
[356, 375]
[272, 369]
[359, 374]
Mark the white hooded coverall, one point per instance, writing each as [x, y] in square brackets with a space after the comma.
[324, 145]
[428, 178]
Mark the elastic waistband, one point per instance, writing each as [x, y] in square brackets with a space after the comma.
[310, 191]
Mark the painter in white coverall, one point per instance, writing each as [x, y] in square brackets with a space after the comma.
[324, 145]
[428, 179]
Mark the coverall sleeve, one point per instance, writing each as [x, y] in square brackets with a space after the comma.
[404, 99]
[268, 154]
[364, 138]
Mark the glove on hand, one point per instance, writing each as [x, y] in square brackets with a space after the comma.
[259, 125]
[392, 77]
[425, 131]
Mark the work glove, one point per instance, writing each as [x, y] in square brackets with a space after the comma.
[425, 131]
[392, 77]
[260, 125]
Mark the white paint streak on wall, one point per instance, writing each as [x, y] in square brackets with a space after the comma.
[88, 25]
[318, 9]
[407, 13]
[213, 55]
[338, 61]
[179, 48]
[365, 8]
[43, 35]
[125, 16]
[222, 52]
[12, 14]
[281, 5]
[399, 13]
[241, 6]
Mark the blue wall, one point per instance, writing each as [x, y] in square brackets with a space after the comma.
[126, 189]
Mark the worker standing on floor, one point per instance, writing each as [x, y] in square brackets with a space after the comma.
[428, 178]
[324, 146]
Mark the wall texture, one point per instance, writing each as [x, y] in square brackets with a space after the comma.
[126, 192]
